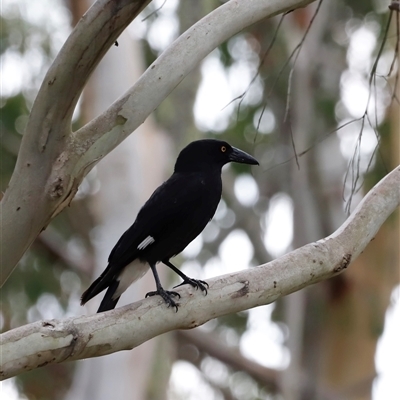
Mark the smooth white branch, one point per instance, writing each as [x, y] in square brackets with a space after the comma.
[43, 181]
[53, 161]
[55, 341]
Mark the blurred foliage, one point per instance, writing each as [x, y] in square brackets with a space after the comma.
[14, 108]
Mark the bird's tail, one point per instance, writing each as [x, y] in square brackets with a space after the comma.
[117, 280]
[108, 303]
[100, 284]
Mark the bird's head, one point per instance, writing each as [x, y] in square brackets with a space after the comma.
[210, 153]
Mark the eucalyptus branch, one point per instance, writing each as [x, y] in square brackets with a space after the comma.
[43, 182]
[55, 341]
[53, 160]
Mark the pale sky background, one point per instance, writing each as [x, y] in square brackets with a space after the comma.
[264, 339]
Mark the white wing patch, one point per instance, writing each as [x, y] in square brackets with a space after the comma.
[146, 242]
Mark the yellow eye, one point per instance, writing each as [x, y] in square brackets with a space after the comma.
[223, 149]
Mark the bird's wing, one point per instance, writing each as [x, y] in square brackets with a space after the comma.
[168, 208]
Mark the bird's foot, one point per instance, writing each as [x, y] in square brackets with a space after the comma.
[196, 283]
[166, 296]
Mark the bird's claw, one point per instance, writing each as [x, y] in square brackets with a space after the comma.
[166, 296]
[196, 283]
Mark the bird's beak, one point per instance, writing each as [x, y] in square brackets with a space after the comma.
[241, 157]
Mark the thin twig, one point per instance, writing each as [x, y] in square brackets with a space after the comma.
[320, 140]
[355, 160]
[241, 97]
[292, 141]
[154, 12]
[299, 46]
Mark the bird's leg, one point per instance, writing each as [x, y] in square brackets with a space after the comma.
[196, 283]
[165, 294]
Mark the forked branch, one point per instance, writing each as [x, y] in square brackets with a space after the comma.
[53, 161]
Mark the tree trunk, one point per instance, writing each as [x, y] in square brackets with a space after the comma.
[127, 177]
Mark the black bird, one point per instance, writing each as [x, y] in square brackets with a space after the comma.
[175, 214]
